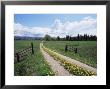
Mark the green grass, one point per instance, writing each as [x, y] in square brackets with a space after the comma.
[32, 65]
[87, 50]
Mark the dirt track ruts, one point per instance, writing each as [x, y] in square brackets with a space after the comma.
[55, 65]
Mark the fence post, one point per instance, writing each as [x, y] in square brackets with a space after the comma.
[32, 48]
[17, 57]
[66, 48]
[76, 50]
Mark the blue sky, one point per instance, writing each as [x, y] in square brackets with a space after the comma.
[55, 24]
[46, 20]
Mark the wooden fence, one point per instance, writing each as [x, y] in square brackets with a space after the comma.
[71, 48]
[18, 56]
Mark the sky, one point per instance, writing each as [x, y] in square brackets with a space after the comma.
[38, 25]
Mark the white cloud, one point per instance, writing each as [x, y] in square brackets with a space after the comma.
[86, 25]
[20, 30]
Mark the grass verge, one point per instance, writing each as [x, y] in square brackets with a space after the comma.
[32, 65]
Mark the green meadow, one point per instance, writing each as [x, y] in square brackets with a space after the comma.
[87, 50]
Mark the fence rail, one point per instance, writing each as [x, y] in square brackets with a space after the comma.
[18, 56]
[71, 48]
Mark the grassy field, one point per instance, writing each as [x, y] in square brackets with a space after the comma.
[32, 65]
[35, 65]
[87, 50]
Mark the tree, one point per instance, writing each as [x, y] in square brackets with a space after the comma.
[47, 37]
[58, 38]
[78, 37]
[70, 39]
[67, 37]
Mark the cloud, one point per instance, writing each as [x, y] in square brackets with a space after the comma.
[20, 30]
[87, 25]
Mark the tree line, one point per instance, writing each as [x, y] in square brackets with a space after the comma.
[84, 37]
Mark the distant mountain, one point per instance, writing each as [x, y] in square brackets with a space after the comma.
[27, 38]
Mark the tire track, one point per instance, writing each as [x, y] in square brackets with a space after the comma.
[55, 65]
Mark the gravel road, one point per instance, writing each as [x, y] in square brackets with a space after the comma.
[55, 65]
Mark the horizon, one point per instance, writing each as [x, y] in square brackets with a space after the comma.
[57, 36]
